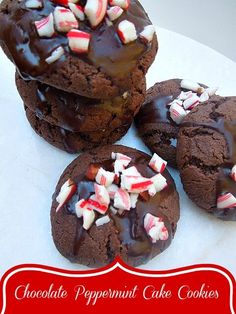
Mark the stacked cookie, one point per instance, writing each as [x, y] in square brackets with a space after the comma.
[80, 67]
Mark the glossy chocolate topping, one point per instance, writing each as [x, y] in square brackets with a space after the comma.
[129, 225]
[28, 51]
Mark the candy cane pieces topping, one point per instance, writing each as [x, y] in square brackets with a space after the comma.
[148, 33]
[155, 228]
[124, 158]
[104, 177]
[95, 11]
[112, 190]
[127, 32]
[177, 113]
[78, 41]
[114, 13]
[56, 54]
[160, 183]
[157, 163]
[94, 204]
[226, 201]
[80, 206]
[122, 200]
[193, 86]
[191, 102]
[68, 189]
[45, 27]
[64, 19]
[124, 4]
[102, 194]
[135, 184]
[233, 173]
[102, 221]
[132, 171]
[77, 10]
[34, 4]
[88, 218]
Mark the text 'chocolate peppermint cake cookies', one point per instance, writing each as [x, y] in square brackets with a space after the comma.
[70, 56]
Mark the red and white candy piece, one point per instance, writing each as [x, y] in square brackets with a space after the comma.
[124, 4]
[102, 221]
[177, 113]
[45, 27]
[211, 90]
[95, 11]
[64, 20]
[55, 55]
[94, 204]
[185, 95]
[77, 10]
[78, 41]
[68, 189]
[135, 184]
[152, 191]
[204, 96]
[122, 200]
[155, 228]
[118, 166]
[133, 199]
[88, 218]
[148, 33]
[131, 171]
[114, 13]
[80, 207]
[127, 32]
[193, 86]
[176, 102]
[157, 163]
[159, 182]
[191, 102]
[34, 4]
[104, 177]
[112, 190]
[124, 158]
[233, 173]
[102, 194]
[226, 201]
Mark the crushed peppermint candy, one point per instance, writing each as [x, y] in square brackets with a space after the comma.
[233, 173]
[124, 4]
[64, 19]
[148, 33]
[116, 196]
[226, 201]
[77, 10]
[127, 31]
[55, 55]
[34, 4]
[114, 13]
[78, 41]
[189, 99]
[155, 228]
[95, 11]
[45, 27]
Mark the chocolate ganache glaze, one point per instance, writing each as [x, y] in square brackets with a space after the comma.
[227, 127]
[135, 244]
[106, 52]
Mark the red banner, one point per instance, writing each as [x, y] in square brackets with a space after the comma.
[41, 289]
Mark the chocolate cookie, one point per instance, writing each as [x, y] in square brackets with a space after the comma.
[77, 113]
[165, 106]
[206, 156]
[74, 142]
[87, 54]
[100, 211]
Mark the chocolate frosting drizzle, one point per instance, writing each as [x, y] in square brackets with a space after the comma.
[28, 51]
[129, 225]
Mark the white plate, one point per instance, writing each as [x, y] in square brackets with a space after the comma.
[30, 168]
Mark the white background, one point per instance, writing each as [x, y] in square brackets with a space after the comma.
[211, 22]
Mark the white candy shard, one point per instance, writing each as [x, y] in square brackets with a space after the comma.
[94, 204]
[104, 177]
[211, 91]
[191, 102]
[193, 86]
[152, 191]
[226, 201]
[177, 113]
[185, 95]
[102, 221]
[134, 199]
[148, 33]
[157, 163]
[124, 158]
[88, 218]
[176, 102]
[45, 27]
[124, 4]
[233, 173]
[77, 10]
[134, 184]
[114, 13]
[155, 228]
[78, 41]
[118, 166]
[67, 190]
[122, 200]
[79, 207]
[64, 19]
[95, 11]
[113, 210]
[102, 194]
[131, 171]
[56, 54]
[34, 4]
[204, 96]
[159, 182]
[127, 32]
[112, 190]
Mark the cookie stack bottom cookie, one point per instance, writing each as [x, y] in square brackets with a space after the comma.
[74, 123]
